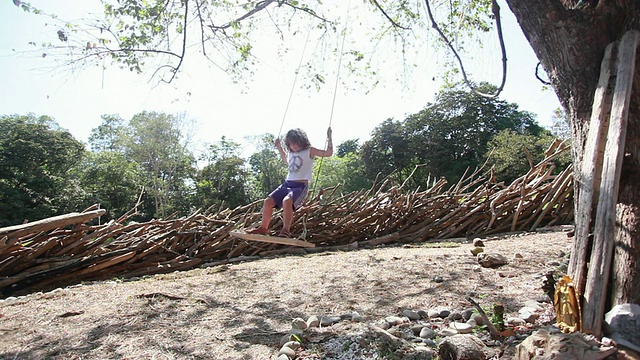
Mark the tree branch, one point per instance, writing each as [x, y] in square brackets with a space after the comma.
[184, 45]
[259, 7]
[496, 12]
[375, 2]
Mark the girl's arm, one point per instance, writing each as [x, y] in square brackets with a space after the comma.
[283, 155]
[323, 153]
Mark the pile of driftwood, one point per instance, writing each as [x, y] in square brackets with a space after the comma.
[63, 250]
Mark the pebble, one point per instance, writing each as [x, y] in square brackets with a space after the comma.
[299, 323]
[287, 351]
[395, 320]
[427, 333]
[462, 328]
[412, 315]
[329, 320]
[313, 321]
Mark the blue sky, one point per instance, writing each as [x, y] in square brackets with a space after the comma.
[77, 99]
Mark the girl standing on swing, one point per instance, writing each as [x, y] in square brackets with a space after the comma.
[291, 194]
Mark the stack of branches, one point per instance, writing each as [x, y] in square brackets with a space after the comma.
[64, 250]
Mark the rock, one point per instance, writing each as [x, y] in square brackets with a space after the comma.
[416, 328]
[427, 333]
[439, 312]
[293, 345]
[490, 260]
[313, 321]
[462, 347]
[477, 242]
[329, 320]
[543, 345]
[448, 332]
[287, 351]
[395, 320]
[430, 342]
[476, 250]
[466, 314]
[412, 315]
[533, 304]
[528, 317]
[527, 309]
[355, 316]
[460, 327]
[299, 323]
[622, 324]
[515, 321]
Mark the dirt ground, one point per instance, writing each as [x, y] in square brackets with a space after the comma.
[242, 310]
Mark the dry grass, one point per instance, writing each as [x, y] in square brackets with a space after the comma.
[241, 311]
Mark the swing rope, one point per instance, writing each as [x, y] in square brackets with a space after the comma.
[295, 80]
[335, 92]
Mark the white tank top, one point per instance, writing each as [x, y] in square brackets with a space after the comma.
[300, 165]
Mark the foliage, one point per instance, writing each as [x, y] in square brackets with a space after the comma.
[445, 139]
[512, 154]
[157, 148]
[451, 134]
[110, 135]
[345, 170]
[108, 179]
[162, 36]
[157, 142]
[223, 180]
[267, 169]
[35, 157]
[387, 153]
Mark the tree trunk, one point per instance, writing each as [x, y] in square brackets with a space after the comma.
[570, 43]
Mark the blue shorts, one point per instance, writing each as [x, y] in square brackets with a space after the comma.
[297, 190]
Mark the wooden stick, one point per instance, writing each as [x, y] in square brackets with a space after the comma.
[492, 329]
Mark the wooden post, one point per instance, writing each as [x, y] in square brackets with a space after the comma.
[601, 256]
[590, 169]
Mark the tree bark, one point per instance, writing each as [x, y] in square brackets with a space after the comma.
[570, 43]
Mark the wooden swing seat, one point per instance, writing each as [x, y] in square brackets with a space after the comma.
[271, 239]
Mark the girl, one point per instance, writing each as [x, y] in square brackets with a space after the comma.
[292, 193]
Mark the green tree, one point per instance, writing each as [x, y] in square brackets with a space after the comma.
[267, 169]
[35, 157]
[353, 176]
[348, 147]
[387, 153]
[512, 154]
[451, 134]
[109, 179]
[158, 143]
[224, 178]
[110, 135]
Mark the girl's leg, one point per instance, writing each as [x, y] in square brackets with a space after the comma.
[287, 215]
[267, 212]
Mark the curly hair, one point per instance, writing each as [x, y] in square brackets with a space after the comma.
[297, 136]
